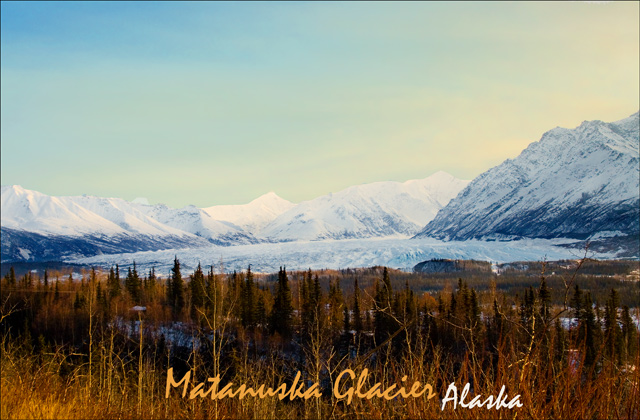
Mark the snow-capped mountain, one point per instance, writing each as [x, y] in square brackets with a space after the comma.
[379, 209]
[198, 222]
[573, 183]
[254, 216]
[32, 211]
[38, 226]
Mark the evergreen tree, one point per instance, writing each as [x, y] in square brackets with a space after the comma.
[150, 284]
[79, 301]
[384, 323]
[577, 302]
[613, 334]
[117, 284]
[133, 284]
[198, 292]
[411, 308]
[175, 288]
[528, 307]
[544, 294]
[248, 301]
[317, 293]
[629, 335]
[27, 280]
[588, 330]
[213, 298]
[309, 303]
[560, 343]
[305, 300]
[98, 292]
[336, 305]
[357, 312]
[494, 331]
[282, 312]
[261, 308]
[474, 309]
[453, 306]
[346, 320]
[56, 293]
[114, 282]
[234, 298]
[11, 277]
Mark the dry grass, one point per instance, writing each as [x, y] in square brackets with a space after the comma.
[35, 389]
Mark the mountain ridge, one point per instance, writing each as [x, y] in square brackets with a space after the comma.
[383, 208]
[571, 183]
[79, 225]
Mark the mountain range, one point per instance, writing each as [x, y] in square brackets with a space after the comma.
[573, 183]
[580, 183]
[37, 226]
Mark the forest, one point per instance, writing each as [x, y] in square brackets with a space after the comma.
[95, 343]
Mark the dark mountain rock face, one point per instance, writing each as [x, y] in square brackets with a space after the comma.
[17, 245]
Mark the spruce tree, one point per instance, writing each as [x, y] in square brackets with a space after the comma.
[129, 286]
[383, 320]
[577, 302]
[114, 282]
[248, 301]
[197, 287]
[133, 285]
[613, 334]
[629, 335]
[175, 289]
[357, 312]
[560, 345]
[474, 309]
[336, 305]
[545, 300]
[117, 280]
[346, 320]
[12, 277]
[317, 292]
[261, 309]
[56, 294]
[213, 298]
[588, 330]
[282, 312]
[150, 283]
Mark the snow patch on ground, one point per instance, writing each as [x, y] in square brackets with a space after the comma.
[25, 253]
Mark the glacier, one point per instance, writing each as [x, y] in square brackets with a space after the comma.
[397, 253]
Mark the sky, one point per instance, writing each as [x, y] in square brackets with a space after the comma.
[209, 103]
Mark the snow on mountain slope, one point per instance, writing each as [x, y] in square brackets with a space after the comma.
[32, 211]
[36, 226]
[198, 222]
[369, 210]
[251, 217]
[36, 212]
[124, 214]
[572, 183]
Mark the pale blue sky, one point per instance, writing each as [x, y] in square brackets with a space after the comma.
[217, 103]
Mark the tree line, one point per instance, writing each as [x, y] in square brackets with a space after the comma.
[102, 324]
